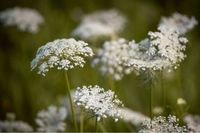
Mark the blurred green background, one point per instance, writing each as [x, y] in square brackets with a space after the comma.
[25, 92]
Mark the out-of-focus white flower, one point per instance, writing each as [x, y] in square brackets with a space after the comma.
[162, 124]
[62, 54]
[179, 22]
[52, 119]
[101, 103]
[25, 19]
[12, 125]
[193, 123]
[181, 101]
[100, 23]
[163, 50]
[111, 58]
[135, 118]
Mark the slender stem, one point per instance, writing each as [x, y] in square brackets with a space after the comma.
[71, 101]
[163, 90]
[81, 122]
[96, 124]
[150, 80]
[111, 82]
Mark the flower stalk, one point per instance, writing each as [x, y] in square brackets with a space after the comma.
[71, 101]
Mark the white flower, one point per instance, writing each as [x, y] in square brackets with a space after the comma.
[179, 22]
[100, 23]
[13, 125]
[193, 123]
[52, 119]
[111, 58]
[162, 124]
[102, 103]
[62, 54]
[163, 50]
[24, 18]
[135, 118]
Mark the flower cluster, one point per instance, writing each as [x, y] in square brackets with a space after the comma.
[61, 53]
[12, 125]
[101, 23]
[111, 58]
[51, 120]
[162, 124]
[135, 118]
[163, 50]
[101, 103]
[24, 18]
[193, 123]
[179, 22]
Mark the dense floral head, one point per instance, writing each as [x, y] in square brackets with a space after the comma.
[62, 54]
[24, 18]
[111, 58]
[162, 124]
[101, 103]
[163, 50]
[193, 123]
[101, 23]
[12, 125]
[52, 119]
[179, 22]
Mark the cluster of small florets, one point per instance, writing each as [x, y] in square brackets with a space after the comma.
[163, 50]
[61, 53]
[193, 123]
[12, 125]
[24, 18]
[162, 124]
[101, 23]
[101, 103]
[52, 119]
[179, 22]
[111, 58]
[135, 118]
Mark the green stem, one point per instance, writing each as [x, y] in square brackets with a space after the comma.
[150, 94]
[163, 90]
[81, 122]
[71, 101]
[111, 82]
[96, 124]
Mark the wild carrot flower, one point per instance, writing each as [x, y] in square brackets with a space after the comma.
[61, 54]
[179, 22]
[52, 119]
[99, 102]
[163, 50]
[24, 18]
[100, 23]
[135, 118]
[193, 123]
[111, 58]
[162, 124]
[12, 125]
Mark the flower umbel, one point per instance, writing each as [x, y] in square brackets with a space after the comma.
[62, 54]
[193, 123]
[101, 23]
[163, 50]
[12, 125]
[179, 22]
[111, 58]
[101, 103]
[25, 19]
[51, 120]
[162, 124]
